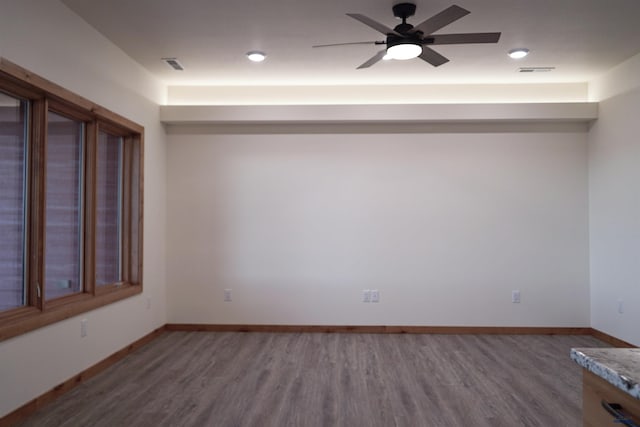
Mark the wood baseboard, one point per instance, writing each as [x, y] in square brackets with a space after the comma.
[30, 407]
[616, 342]
[27, 409]
[375, 329]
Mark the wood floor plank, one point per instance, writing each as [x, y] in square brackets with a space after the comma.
[230, 379]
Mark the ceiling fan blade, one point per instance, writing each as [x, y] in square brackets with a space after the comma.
[462, 38]
[432, 57]
[346, 44]
[375, 58]
[373, 24]
[440, 20]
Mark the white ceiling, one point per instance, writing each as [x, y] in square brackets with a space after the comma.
[581, 38]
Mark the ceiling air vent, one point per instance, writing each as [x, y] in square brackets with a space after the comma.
[535, 69]
[173, 63]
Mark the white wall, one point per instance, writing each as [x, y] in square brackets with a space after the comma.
[443, 225]
[614, 203]
[46, 38]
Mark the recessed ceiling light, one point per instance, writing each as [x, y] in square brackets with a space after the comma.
[518, 53]
[256, 56]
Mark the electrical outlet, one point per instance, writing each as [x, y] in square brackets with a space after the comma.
[515, 297]
[366, 295]
[227, 295]
[375, 295]
[148, 303]
[620, 306]
[83, 328]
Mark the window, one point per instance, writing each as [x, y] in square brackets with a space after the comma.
[70, 203]
[63, 206]
[13, 182]
[109, 207]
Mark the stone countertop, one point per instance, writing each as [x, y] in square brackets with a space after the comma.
[618, 366]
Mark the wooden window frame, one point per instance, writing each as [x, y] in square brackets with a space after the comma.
[44, 96]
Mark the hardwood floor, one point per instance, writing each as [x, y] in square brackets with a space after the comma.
[312, 379]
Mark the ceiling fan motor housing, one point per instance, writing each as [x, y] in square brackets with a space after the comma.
[393, 40]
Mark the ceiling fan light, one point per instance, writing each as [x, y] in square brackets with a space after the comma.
[404, 51]
[256, 56]
[518, 53]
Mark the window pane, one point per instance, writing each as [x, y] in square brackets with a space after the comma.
[63, 226]
[13, 120]
[108, 209]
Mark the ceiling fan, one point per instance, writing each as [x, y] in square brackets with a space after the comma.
[406, 41]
